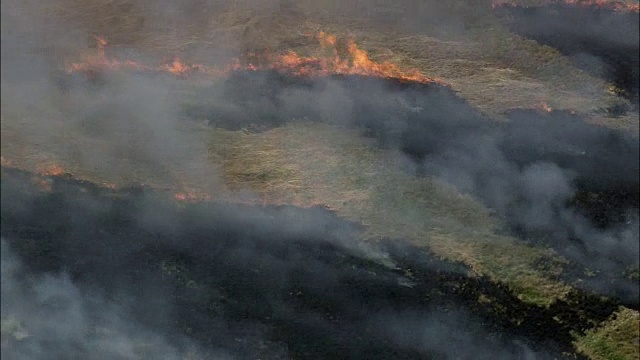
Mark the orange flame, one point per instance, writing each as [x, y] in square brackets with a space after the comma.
[355, 62]
[616, 5]
[52, 170]
[101, 42]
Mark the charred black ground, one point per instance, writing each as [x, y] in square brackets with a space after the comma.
[601, 40]
[423, 119]
[240, 278]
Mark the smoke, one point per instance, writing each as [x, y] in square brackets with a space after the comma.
[137, 278]
[122, 129]
[47, 316]
[132, 274]
[534, 173]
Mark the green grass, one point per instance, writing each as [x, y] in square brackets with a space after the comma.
[615, 339]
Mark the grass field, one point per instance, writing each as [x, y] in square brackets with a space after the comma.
[310, 164]
[616, 338]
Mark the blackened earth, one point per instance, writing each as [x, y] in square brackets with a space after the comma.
[447, 137]
[286, 274]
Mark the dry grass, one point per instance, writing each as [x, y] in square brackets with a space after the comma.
[313, 164]
[615, 339]
[492, 68]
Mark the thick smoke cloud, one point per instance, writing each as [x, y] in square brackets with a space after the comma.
[536, 167]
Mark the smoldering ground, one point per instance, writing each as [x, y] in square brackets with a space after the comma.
[274, 282]
[273, 276]
[130, 274]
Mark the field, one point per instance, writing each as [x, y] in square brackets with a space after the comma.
[310, 163]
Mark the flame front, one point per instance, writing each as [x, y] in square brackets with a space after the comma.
[101, 42]
[355, 62]
[52, 170]
[177, 67]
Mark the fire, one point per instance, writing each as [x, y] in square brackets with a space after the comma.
[192, 197]
[616, 5]
[101, 42]
[5, 162]
[327, 40]
[52, 170]
[354, 62]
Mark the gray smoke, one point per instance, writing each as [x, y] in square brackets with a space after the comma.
[435, 333]
[85, 305]
[47, 316]
[531, 171]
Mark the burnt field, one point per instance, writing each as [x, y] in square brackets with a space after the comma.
[599, 39]
[245, 282]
